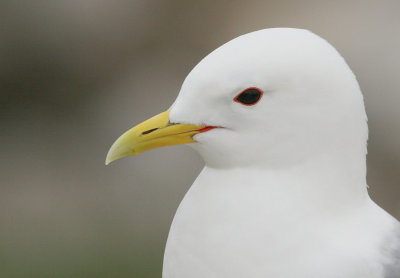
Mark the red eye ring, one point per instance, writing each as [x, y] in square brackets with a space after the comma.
[249, 97]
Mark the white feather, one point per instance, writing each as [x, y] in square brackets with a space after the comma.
[283, 193]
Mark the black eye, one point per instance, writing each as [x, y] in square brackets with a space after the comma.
[250, 96]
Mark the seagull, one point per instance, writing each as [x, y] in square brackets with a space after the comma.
[279, 120]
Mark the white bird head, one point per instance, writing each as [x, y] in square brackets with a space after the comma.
[272, 97]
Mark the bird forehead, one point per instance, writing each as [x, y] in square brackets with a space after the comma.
[271, 53]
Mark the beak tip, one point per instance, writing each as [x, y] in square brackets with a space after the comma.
[109, 158]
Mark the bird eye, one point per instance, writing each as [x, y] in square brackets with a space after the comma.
[250, 96]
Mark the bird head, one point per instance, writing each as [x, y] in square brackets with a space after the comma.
[271, 97]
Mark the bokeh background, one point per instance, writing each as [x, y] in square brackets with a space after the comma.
[75, 74]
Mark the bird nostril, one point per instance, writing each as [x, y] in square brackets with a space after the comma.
[149, 131]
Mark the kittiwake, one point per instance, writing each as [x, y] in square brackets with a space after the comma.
[279, 119]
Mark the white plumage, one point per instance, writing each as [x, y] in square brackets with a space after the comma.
[283, 193]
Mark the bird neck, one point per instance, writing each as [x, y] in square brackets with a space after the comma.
[328, 182]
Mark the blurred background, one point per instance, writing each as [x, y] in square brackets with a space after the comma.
[75, 74]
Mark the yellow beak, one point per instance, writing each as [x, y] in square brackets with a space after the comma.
[153, 133]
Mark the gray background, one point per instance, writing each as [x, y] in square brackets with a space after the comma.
[76, 74]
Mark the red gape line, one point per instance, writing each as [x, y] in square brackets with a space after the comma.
[207, 128]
